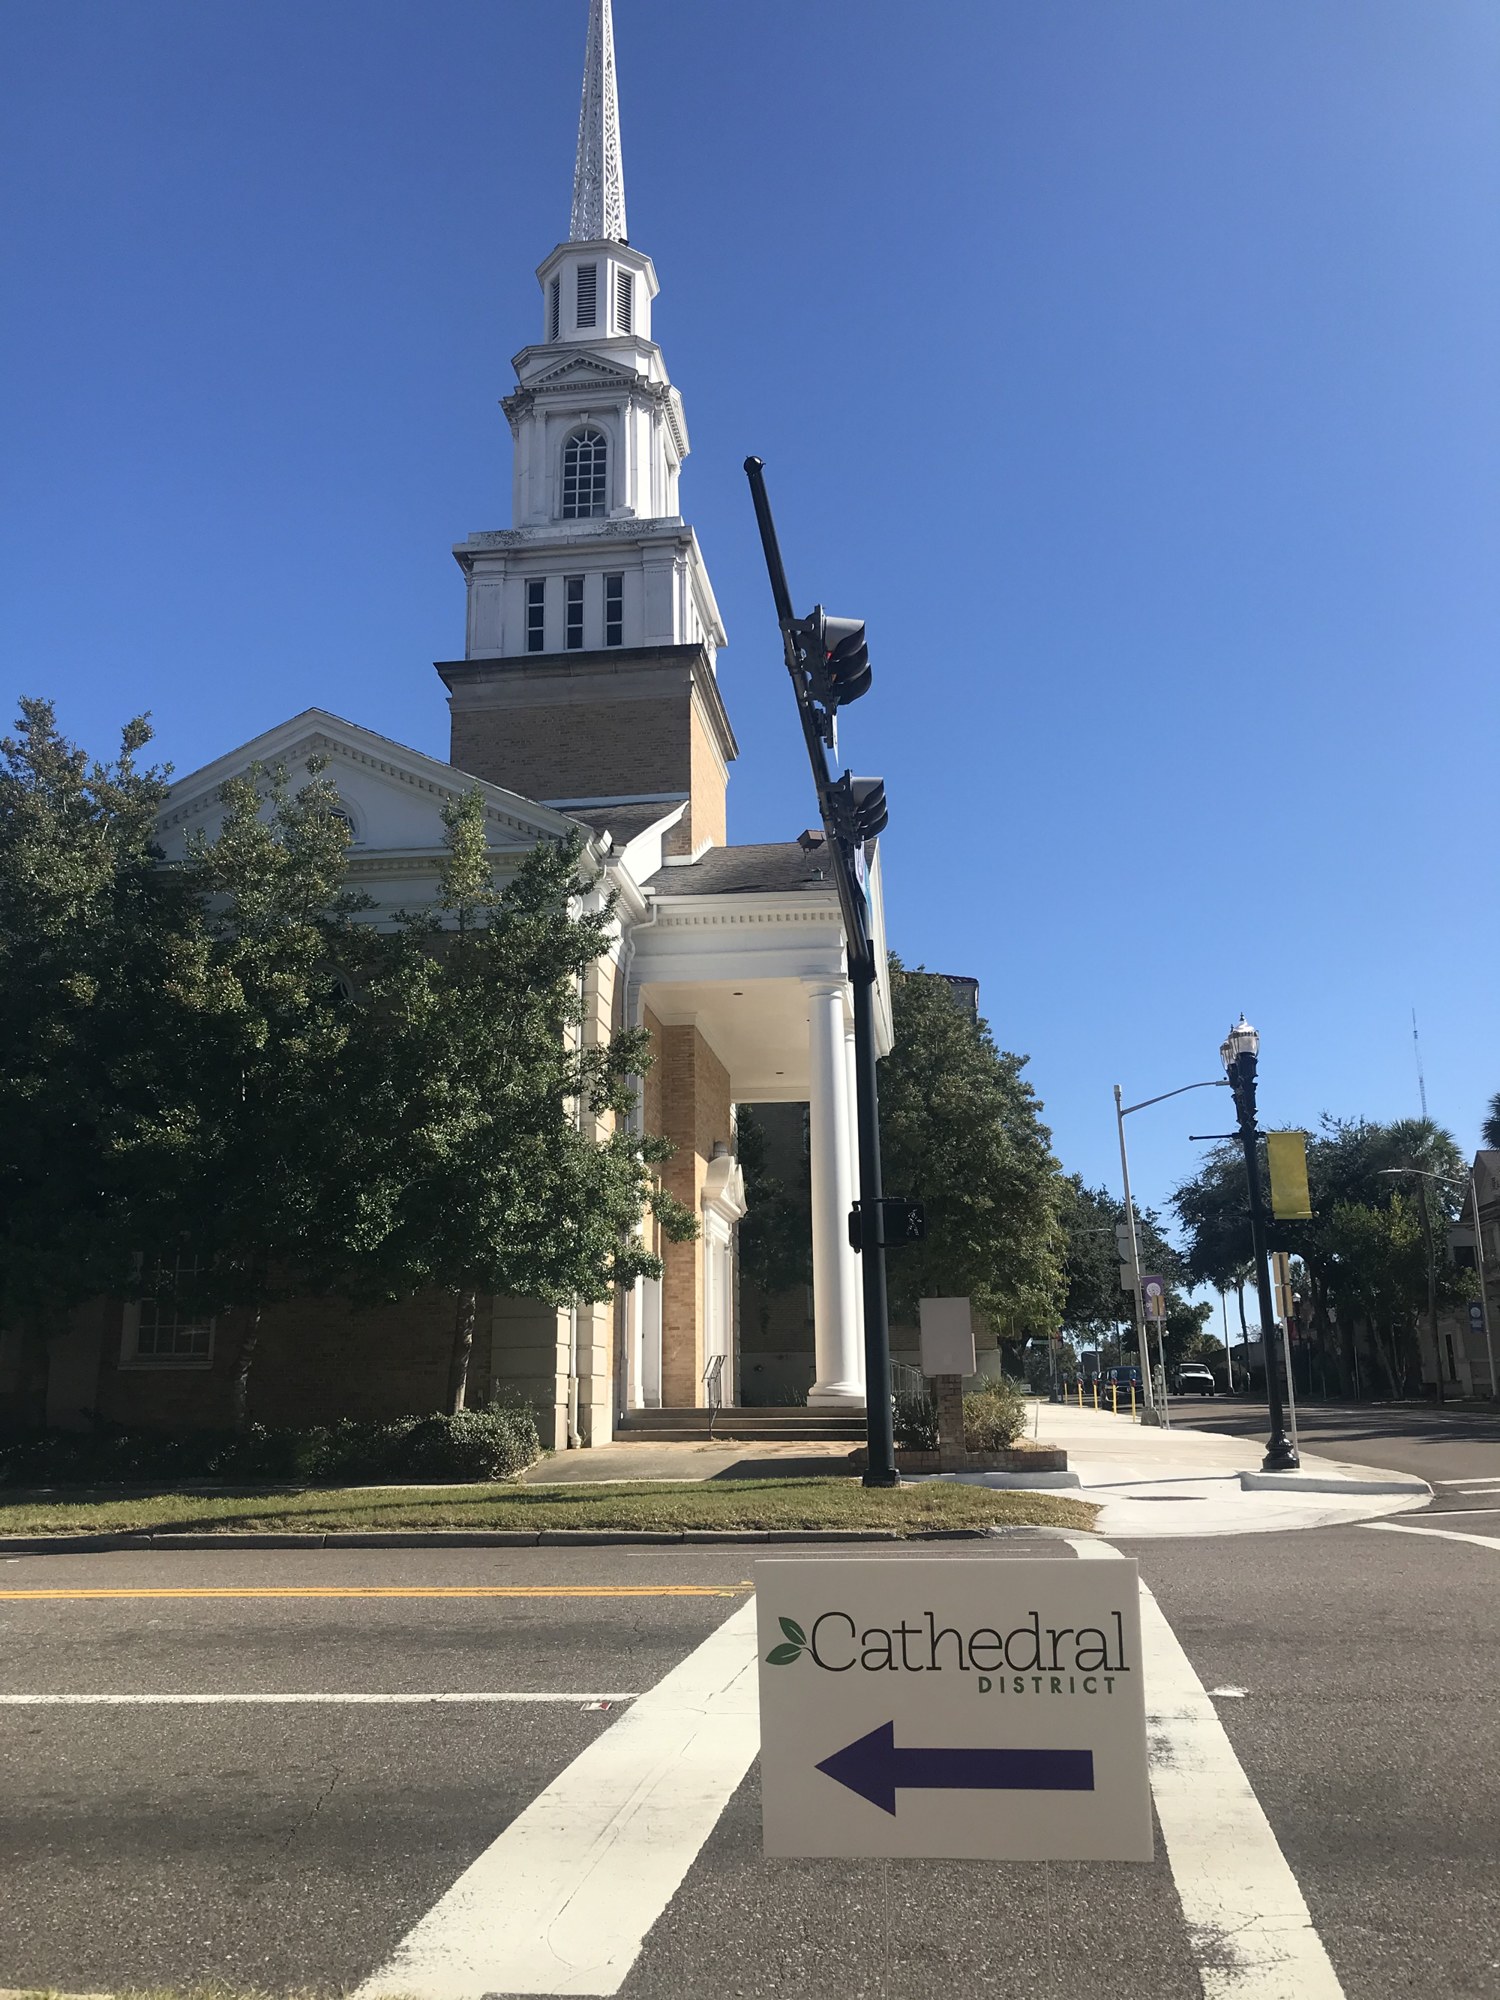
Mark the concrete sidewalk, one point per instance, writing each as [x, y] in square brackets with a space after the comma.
[1149, 1483]
[1183, 1481]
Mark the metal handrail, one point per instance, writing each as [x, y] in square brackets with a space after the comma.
[909, 1381]
[713, 1388]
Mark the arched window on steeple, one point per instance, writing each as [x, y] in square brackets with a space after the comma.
[585, 470]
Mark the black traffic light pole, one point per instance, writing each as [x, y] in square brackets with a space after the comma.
[881, 1469]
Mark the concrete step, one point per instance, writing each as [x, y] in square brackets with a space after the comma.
[754, 1424]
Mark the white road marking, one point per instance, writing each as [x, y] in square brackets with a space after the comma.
[1447, 1513]
[1468, 1485]
[588, 1698]
[1229, 1694]
[1248, 1925]
[561, 1902]
[1446, 1534]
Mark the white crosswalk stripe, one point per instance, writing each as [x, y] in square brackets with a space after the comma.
[1249, 1927]
[1443, 1534]
[562, 1901]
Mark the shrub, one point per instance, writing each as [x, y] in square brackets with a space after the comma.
[492, 1443]
[914, 1423]
[994, 1416]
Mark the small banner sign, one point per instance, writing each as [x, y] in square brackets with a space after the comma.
[1287, 1154]
[990, 1710]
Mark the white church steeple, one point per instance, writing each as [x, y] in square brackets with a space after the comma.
[599, 583]
[599, 177]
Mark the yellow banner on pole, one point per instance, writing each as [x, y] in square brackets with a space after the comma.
[1287, 1154]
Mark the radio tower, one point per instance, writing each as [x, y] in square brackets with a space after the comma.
[1417, 1051]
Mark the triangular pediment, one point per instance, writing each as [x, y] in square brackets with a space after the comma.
[582, 371]
[394, 795]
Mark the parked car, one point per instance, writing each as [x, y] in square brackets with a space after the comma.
[1124, 1380]
[1193, 1378]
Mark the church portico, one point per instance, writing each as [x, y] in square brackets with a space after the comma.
[741, 959]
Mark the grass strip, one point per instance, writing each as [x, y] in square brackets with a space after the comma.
[723, 1504]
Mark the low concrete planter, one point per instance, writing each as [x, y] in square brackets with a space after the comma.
[1035, 1458]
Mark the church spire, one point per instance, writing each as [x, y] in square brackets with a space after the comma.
[599, 178]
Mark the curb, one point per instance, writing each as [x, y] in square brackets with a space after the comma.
[1004, 1482]
[1311, 1482]
[550, 1538]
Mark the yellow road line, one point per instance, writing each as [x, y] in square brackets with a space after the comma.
[409, 1590]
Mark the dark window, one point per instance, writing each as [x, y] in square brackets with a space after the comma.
[554, 309]
[624, 300]
[614, 611]
[585, 470]
[588, 294]
[574, 638]
[161, 1329]
[536, 615]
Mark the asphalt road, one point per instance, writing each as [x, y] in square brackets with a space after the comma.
[284, 1845]
[1445, 1446]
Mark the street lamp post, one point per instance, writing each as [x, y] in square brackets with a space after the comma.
[1122, 1112]
[1468, 1182]
[1239, 1051]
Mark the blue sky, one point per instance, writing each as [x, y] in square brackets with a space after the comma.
[1129, 368]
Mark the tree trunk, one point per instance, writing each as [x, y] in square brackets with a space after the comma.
[1329, 1341]
[36, 1371]
[1389, 1356]
[463, 1347]
[240, 1402]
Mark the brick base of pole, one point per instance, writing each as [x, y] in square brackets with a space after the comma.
[949, 1392]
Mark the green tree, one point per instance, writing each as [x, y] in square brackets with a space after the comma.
[1491, 1132]
[483, 1129]
[261, 1190]
[1364, 1254]
[961, 1131]
[90, 932]
[1096, 1303]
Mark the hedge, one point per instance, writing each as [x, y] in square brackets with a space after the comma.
[994, 1417]
[493, 1443]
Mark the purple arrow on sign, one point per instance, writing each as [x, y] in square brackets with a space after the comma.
[875, 1769]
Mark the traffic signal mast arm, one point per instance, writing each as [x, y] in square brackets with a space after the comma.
[829, 665]
[837, 806]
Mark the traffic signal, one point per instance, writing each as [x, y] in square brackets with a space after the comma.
[858, 809]
[1122, 1241]
[836, 661]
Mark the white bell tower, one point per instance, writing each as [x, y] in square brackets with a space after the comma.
[600, 437]
[597, 595]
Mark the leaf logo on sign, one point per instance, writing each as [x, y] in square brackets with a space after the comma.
[783, 1656]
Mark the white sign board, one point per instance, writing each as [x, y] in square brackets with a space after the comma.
[947, 1337]
[984, 1708]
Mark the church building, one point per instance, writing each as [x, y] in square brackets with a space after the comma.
[587, 700]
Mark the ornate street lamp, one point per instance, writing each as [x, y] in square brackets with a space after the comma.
[1240, 1051]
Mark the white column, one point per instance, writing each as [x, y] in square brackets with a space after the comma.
[651, 1343]
[856, 1266]
[835, 1321]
